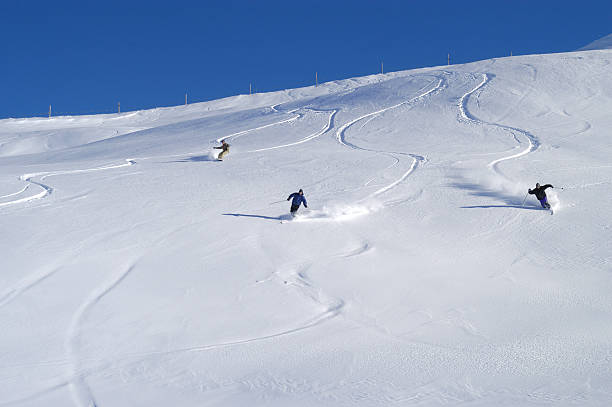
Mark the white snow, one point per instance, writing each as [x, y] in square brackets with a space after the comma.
[139, 271]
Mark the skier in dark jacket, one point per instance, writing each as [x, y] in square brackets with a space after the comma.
[225, 147]
[298, 198]
[539, 192]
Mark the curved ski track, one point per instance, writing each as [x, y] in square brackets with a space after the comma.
[325, 129]
[465, 115]
[46, 189]
[81, 392]
[75, 380]
[28, 282]
[341, 138]
[236, 135]
[15, 193]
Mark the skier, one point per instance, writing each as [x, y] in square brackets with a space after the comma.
[225, 147]
[298, 198]
[539, 192]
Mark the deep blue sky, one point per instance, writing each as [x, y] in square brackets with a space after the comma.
[84, 58]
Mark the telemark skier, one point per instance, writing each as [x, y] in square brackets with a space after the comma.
[298, 198]
[539, 192]
[225, 147]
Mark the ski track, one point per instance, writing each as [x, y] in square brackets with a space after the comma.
[81, 392]
[83, 395]
[75, 379]
[586, 125]
[15, 193]
[231, 136]
[341, 138]
[465, 115]
[28, 282]
[358, 251]
[236, 135]
[296, 278]
[37, 395]
[524, 96]
[46, 189]
[325, 129]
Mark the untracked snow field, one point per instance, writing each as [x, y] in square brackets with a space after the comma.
[139, 271]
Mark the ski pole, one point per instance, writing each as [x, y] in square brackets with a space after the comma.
[524, 199]
[272, 203]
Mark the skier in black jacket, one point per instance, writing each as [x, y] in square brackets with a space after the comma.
[539, 192]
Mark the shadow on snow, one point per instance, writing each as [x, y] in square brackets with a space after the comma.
[511, 201]
[196, 159]
[527, 207]
[245, 215]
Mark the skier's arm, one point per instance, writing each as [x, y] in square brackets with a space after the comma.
[291, 196]
[529, 191]
[218, 148]
[546, 186]
[305, 203]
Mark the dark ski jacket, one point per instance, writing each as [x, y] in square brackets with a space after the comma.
[539, 192]
[224, 147]
[298, 199]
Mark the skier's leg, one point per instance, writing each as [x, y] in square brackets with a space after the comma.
[544, 203]
[294, 209]
[221, 155]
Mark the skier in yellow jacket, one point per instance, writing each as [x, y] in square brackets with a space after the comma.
[225, 147]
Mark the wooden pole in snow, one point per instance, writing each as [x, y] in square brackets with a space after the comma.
[382, 70]
[118, 107]
[448, 59]
[49, 110]
[316, 79]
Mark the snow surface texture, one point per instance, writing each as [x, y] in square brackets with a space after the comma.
[139, 271]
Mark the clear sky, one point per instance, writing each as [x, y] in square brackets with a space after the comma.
[84, 57]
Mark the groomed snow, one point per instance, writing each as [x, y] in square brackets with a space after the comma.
[139, 271]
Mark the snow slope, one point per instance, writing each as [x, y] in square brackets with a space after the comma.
[138, 271]
[602, 43]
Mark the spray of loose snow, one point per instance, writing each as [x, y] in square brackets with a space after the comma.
[339, 212]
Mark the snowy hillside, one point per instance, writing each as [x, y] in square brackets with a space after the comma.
[602, 43]
[139, 271]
